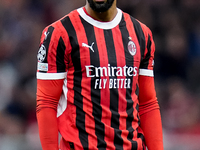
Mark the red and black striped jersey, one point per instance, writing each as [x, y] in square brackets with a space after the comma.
[100, 63]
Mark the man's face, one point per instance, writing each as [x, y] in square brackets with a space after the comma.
[100, 5]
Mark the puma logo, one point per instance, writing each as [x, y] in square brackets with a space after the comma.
[46, 34]
[90, 47]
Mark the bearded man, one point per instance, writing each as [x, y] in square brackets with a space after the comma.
[95, 82]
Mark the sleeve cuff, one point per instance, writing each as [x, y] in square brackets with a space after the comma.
[51, 76]
[146, 72]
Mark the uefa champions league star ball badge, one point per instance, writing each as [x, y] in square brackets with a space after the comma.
[132, 48]
[41, 53]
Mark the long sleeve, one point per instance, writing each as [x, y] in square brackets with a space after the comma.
[150, 114]
[48, 93]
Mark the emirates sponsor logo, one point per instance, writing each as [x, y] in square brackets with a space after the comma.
[111, 71]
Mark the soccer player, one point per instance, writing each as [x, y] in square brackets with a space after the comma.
[95, 82]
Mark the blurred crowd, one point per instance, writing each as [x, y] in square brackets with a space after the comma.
[176, 28]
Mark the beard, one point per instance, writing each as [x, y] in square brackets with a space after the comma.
[100, 6]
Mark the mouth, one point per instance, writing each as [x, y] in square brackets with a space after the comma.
[100, 1]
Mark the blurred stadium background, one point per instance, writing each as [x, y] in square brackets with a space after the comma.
[176, 28]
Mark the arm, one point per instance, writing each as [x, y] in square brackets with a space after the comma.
[148, 105]
[48, 94]
[150, 114]
[51, 72]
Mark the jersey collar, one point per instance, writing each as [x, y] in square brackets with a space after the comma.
[99, 24]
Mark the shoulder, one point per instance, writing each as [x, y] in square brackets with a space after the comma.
[58, 24]
[145, 28]
[138, 24]
[58, 28]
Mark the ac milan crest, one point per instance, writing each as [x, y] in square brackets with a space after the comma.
[132, 48]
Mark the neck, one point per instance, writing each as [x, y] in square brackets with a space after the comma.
[106, 16]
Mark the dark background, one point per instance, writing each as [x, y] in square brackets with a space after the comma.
[176, 28]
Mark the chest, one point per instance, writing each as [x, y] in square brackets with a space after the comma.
[97, 48]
